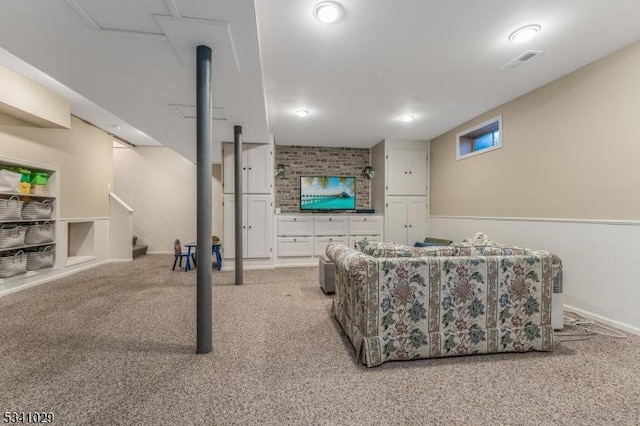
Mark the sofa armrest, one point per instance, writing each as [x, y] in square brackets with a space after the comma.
[355, 302]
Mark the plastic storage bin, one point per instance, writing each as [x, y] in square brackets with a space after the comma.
[39, 178]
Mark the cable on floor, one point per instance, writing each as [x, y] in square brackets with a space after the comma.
[584, 328]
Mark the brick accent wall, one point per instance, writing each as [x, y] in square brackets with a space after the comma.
[315, 160]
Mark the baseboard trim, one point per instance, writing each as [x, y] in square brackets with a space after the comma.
[617, 324]
[296, 265]
[246, 268]
[120, 260]
[50, 278]
[543, 219]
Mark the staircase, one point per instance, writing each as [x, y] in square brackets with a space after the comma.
[138, 249]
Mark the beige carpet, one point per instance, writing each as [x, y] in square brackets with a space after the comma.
[115, 345]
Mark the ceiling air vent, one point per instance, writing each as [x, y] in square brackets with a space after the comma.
[522, 58]
[189, 111]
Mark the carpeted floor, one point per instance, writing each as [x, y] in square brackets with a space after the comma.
[115, 345]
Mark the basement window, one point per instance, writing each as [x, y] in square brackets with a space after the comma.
[479, 139]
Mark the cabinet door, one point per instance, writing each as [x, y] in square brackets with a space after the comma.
[258, 208]
[228, 168]
[417, 177]
[406, 172]
[295, 247]
[228, 232]
[295, 226]
[367, 225]
[416, 219]
[396, 172]
[320, 244]
[259, 169]
[330, 225]
[396, 220]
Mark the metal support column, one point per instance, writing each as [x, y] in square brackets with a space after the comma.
[204, 211]
[240, 226]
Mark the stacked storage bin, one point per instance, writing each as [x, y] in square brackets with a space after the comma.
[39, 182]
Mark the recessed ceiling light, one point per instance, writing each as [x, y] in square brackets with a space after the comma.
[327, 12]
[407, 118]
[525, 33]
[302, 113]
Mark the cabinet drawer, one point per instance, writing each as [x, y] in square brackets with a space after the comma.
[365, 225]
[352, 240]
[294, 226]
[320, 244]
[331, 226]
[295, 247]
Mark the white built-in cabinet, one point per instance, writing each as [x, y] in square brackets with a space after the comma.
[257, 202]
[257, 168]
[303, 238]
[400, 188]
[256, 226]
[406, 219]
[406, 172]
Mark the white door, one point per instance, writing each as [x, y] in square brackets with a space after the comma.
[228, 168]
[396, 220]
[407, 172]
[416, 219]
[397, 172]
[258, 208]
[417, 177]
[228, 232]
[259, 169]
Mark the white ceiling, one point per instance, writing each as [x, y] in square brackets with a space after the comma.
[135, 61]
[129, 66]
[438, 60]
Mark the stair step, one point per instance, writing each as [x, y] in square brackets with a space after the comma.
[139, 250]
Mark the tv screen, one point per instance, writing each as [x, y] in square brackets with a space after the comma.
[327, 193]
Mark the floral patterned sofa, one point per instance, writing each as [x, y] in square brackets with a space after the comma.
[396, 302]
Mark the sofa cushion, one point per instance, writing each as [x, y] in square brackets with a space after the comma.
[470, 249]
[382, 249]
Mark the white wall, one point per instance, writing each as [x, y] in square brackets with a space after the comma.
[120, 229]
[598, 257]
[569, 150]
[160, 186]
[28, 101]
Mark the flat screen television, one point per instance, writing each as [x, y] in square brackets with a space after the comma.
[323, 193]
